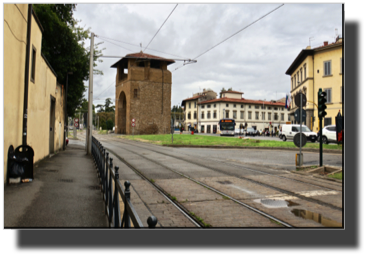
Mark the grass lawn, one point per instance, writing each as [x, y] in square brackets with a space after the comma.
[199, 140]
[102, 132]
[336, 176]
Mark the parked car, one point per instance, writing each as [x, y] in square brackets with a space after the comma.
[237, 131]
[328, 134]
[290, 130]
[250, 132]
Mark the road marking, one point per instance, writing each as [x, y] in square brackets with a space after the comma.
[245, 190]
[317, 193]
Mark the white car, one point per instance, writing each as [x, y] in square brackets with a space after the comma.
[290, 130]
[328, 134]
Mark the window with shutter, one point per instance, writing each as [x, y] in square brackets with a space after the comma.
[328, 95]
[327, 68]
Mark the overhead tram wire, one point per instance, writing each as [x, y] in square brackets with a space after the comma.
[141, 47]
[160, 27]
[96, 96]
[234, 34]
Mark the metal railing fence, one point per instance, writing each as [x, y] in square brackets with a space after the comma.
[112, 189]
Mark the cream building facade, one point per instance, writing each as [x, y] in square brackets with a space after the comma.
[45, 112]
[321, 67]
[191, 109]
[258, 114]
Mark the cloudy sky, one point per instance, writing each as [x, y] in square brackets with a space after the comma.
[253, 61]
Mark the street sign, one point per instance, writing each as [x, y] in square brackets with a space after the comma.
[297, 115]
[76, 124]
[76, 120]
[297, 140]
[297, 100]
[133, 120]
[133, 124]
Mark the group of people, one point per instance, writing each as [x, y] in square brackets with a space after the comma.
[268, 133]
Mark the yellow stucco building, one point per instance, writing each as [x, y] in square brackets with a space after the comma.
[316, 68]
[45, 110]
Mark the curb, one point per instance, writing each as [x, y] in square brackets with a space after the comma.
[255, 148]
[317, 176]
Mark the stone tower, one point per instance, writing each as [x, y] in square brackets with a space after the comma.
[143, 93]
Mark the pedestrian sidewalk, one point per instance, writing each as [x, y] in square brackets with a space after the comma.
[64, 193]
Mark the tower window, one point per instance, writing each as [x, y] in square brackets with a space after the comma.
[135, 93]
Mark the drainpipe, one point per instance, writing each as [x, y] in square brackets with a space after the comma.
[26, 89]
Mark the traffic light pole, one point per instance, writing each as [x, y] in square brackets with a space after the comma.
[321, 114]
[320, 121]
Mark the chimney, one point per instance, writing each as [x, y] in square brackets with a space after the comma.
[325, 43]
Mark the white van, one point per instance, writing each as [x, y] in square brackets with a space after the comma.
[290, 130]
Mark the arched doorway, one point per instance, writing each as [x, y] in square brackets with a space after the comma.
[122, 114]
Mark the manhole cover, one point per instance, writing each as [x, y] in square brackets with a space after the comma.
[274, 203]
[65, 180]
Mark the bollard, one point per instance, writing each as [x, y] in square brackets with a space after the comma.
[152, 221]
[127, 194]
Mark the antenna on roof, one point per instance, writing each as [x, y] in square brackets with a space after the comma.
[310, 38]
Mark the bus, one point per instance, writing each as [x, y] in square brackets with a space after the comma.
[227, 127]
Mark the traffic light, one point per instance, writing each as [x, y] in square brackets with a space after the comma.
[321, 103]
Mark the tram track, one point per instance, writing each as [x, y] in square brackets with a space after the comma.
[330, 183]
[273, 218]
[181, 207]
[281, 190]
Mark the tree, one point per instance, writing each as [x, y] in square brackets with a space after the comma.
[83, 109]
[63, 46]
[108, 107]
[106, 119]
[100, 106]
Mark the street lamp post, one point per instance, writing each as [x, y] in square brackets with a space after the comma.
[66, 113]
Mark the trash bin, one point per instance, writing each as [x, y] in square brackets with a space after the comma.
[21, 162]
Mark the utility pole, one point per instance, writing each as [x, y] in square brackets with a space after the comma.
[90, 100]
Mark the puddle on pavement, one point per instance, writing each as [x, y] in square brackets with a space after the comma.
[276, 203]
[326, 222]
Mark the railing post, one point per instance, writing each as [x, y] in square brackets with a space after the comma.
[109, 194]
[105, 175]
[127, 194]
[116, 199]
[152, 221]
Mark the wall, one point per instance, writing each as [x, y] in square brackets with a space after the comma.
[40, 91]
[334, 82]
[232, 95]
[261, 124]
[191, 110]
[152, 106]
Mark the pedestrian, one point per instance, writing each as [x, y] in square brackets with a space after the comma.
[181, 129]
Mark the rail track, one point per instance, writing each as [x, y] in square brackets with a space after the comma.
[247, 179]
[186, 212]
